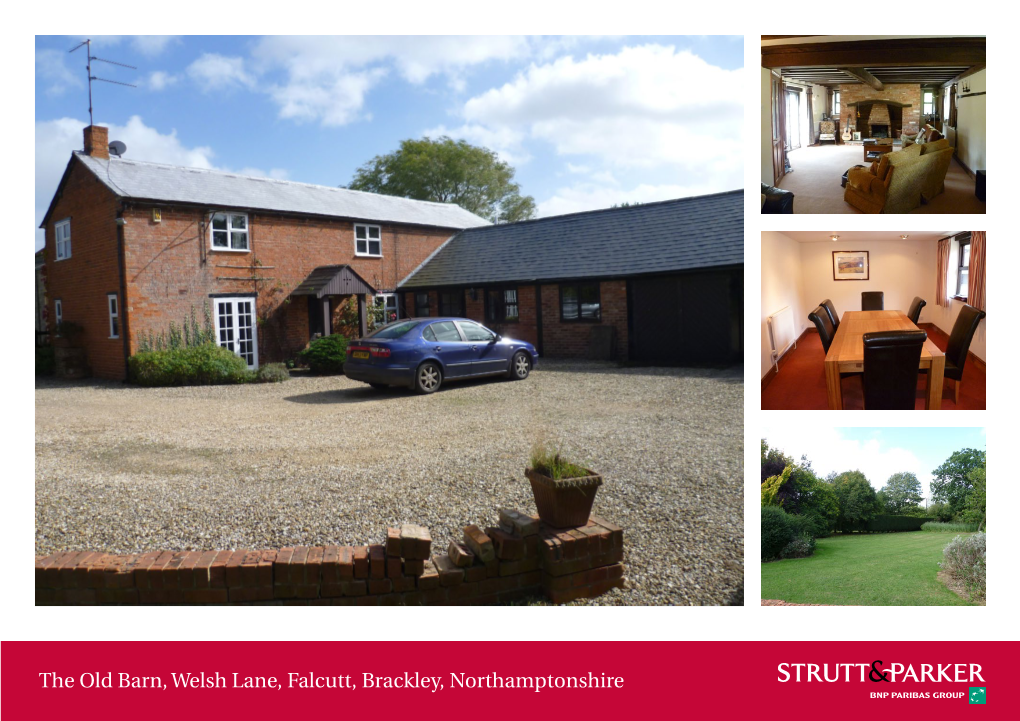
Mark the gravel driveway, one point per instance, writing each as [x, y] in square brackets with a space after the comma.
[327, 460]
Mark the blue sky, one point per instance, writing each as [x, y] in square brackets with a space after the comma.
[876, 452]
[587, 121]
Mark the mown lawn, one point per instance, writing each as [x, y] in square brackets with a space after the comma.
[877, 569]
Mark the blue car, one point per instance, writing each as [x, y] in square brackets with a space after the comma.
[424, 353]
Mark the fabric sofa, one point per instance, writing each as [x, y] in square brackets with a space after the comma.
[900, 181]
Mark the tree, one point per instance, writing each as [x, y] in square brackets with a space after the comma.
[900, 492]
[770, 487]
[974, 510]
[951, 484]
[858, 503]
[802, 492]
[448, 171]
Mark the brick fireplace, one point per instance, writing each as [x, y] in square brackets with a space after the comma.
[883, 113]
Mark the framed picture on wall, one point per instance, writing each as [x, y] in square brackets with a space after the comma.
[850, 265]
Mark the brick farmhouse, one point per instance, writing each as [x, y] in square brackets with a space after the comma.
[133, 246]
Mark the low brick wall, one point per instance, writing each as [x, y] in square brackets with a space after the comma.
[521, 557]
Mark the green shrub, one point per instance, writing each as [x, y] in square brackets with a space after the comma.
[964, 558]
[776, 532]
[939, 527]
[206, 364]
[799, 547]
[326, 355]
[271, 373]
[44, 361]
[821, 527]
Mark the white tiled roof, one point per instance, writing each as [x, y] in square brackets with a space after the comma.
[218, 189]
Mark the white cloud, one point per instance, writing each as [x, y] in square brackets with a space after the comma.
[645, 107]
[160, 80]
[505, 142]
[829, 451]
[148, 45]
[328, 78]
[51, 66]
[56, 139]
[593, 196]
[218, 72]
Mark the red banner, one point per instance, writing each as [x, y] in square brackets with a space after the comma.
[443, 680]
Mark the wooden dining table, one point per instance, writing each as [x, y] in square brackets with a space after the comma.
[846, 353]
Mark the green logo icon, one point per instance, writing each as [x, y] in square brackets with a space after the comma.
[977, 694]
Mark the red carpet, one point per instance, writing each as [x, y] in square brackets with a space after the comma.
[800, 383]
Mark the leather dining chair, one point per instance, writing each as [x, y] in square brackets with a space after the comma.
[915, 310]
[872, 300]
[833, 315]
[891, 360]
[959, 343]
[820, 317]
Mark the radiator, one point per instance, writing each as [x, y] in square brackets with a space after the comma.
[781, 333]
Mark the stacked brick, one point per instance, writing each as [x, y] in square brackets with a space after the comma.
[520, 557]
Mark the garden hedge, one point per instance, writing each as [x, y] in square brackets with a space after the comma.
[882, 524]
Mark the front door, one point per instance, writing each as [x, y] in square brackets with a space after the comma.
[235, 327]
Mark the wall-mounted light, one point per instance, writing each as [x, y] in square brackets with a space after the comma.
[121, 221]
[903, 237]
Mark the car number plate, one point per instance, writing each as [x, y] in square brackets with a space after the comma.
[360, 354]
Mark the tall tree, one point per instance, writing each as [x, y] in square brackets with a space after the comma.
[974, 509]
[951, 483]
[858, 503]
[900, 492]
[448, 171]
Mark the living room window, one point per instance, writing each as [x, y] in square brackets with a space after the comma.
[963, 268]
[230, 232]
[928, 103]
[835, 102]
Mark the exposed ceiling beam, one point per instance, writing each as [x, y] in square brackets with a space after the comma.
[876, 53]
[865, 77]
[965, 74]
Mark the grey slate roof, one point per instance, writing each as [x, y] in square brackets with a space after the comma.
[675, 235]
[217, 189]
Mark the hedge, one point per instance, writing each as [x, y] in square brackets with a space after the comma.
[205, 364]
[881, 524]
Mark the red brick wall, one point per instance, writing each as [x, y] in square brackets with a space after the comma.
[171, 269]
[570, 340]
[82, 281]
[898, 92]
[498, 565]
[560, 340]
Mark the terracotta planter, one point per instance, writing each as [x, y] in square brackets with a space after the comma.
[565, 503]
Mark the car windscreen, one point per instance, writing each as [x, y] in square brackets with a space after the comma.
[394, 330]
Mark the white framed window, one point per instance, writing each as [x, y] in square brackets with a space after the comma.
[229, 231]
[384, 309]
[113, 306]
[62, 232]
[234, 325]
[58, 312]
[368, 240]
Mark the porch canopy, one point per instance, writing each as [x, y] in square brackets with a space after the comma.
[327, 282]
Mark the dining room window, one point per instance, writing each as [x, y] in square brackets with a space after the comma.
[963, 268]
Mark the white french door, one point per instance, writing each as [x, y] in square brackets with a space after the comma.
[235, 327]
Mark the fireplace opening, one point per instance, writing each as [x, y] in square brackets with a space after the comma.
[879, 131]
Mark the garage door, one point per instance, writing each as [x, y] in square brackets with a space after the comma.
[687, 319]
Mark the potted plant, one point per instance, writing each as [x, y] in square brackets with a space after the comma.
[68, 354]
[564, 492]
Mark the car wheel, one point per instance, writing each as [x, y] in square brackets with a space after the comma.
[520, 366]
[428, 378]
[380, 386]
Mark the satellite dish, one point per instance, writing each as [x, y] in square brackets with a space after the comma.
[117, 148]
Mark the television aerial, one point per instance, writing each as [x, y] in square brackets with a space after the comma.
[87, 44]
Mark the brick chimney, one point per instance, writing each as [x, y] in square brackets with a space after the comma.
[97, 142]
